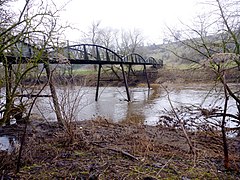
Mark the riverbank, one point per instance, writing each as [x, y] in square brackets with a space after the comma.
[101, 149]
[198, 75]
[157, 76]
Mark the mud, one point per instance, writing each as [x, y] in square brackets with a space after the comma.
[101, 149]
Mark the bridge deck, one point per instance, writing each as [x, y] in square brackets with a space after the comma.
[81, 54]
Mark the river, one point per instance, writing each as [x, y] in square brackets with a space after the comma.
[146, 106]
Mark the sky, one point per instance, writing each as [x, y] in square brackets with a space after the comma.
[149, 16]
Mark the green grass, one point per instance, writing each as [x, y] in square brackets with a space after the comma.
[105, 68]
[181, 66]
[84, 72]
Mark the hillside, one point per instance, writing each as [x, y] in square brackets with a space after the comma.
[190, 50]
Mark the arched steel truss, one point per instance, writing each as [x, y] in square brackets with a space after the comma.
[96, 54]
[89, 54]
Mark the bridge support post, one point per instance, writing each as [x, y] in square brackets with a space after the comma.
[145, 73]
[125, 82]
[98, 81]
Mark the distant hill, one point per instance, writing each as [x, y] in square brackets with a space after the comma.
[175, 53]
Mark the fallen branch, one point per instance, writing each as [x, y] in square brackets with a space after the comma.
[122, 152]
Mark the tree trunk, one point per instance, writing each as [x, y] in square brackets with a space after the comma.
[8, 80]
[224, 137]
[54, 95]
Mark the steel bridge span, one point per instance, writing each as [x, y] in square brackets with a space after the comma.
[86, 54]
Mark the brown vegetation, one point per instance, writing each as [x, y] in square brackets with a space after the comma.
[100, 149]
[194, 75]
[191, 75]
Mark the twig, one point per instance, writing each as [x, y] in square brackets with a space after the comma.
[25, 130]
[164, 165]
[192, 149]
[124, 153]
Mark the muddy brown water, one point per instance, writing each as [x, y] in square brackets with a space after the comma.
[146, 105]
[78, 103]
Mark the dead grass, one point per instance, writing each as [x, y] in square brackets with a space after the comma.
[194, 75]
[105, 150]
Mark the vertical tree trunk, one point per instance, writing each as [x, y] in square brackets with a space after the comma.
[8, 80]
[224, 137]
[54, 95]
[98, 81]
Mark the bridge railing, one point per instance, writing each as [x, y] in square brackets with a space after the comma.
[78, 54]
[89, 53]
[134, 58]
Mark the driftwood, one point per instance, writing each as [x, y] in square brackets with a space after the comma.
[122, 152]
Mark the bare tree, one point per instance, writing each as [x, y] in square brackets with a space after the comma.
[107, 37]
[93, 35]
[129, 41]
[124, 41]
[213, 42]
[24, 34]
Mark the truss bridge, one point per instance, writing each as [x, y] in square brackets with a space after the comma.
[84, 54]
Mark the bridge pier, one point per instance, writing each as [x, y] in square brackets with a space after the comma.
[98, 81]
[124, 79]
[125, 83]
[145, 73]
[130, 70]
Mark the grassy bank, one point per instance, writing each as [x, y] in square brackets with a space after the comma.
[174, 74]
[191, 75]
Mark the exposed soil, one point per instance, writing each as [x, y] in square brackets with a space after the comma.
[100, 149]
[109, 78]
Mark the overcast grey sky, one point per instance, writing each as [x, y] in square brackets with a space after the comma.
[149, 16]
